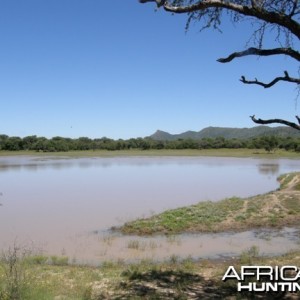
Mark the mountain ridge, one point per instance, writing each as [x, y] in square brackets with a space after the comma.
[227, 133]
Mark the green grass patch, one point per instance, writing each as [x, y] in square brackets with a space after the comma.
[291, 203]
[254, 206]
[59, 260]
[206, 214]
[278, 208]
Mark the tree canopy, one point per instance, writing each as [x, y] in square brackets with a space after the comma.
[279, 16]
[62, 144]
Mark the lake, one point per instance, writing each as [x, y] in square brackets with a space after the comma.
[66, 206]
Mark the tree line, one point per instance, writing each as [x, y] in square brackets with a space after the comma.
[62, 144]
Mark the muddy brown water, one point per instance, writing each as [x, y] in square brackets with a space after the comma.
[65, 206]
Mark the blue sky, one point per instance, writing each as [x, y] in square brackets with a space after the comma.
[120, 69]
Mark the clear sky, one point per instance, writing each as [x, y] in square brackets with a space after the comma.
[120, 69]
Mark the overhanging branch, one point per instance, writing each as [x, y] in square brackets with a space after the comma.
[286, 78]
[252, 10]
[262, 52]
[158, 2]
[278, 121]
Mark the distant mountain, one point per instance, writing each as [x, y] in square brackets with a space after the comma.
[227, 133]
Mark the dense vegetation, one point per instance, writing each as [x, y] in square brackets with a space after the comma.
[58, 144]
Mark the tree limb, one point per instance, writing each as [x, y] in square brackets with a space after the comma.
[280, 121]
[273, 82]
[251, 10]
[281, 17]
[294, 8]
[262, 52]
[158, 2]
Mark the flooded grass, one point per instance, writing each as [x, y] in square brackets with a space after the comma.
[136, 245]
[108, 239]
[275, 209]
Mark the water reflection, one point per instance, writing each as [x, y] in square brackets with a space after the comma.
[267, 169]
[58, 202]
[264, 166]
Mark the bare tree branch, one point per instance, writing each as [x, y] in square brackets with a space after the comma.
[280, 121]
[273, 82]
[294, 8]
[254, 11]
[158, 2]
[281, 16]
[262, 52]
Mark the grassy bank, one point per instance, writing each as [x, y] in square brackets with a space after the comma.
[274, 209]
[163, 152]
[33, 278]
